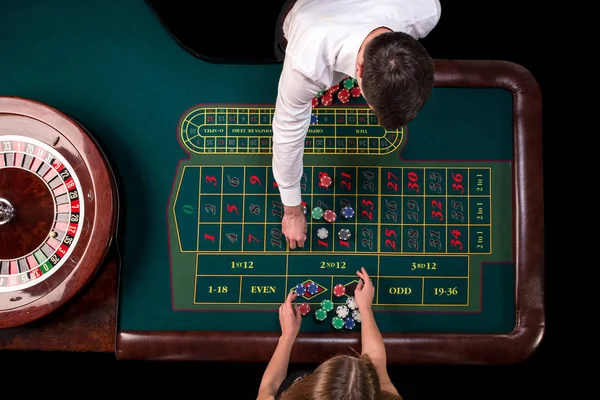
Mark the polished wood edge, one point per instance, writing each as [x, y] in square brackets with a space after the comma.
[409, 348]
[87, 323]
[259, 346]
[529, 185]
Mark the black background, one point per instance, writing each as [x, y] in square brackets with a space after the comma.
[468, 29]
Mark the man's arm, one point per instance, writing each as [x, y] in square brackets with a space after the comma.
[290, 125]
[422, 27]
[277, 369]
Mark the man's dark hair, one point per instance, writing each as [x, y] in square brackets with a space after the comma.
[397, 78]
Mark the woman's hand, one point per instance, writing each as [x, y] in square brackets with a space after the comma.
[290, 317]
[364, 292]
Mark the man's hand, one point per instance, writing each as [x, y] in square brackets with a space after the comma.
[293, 226]
[290, 317]
[364, 291]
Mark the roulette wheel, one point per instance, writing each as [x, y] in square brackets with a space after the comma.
[58, 209]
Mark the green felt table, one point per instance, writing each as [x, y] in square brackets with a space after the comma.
[421, 229]
[448, 210]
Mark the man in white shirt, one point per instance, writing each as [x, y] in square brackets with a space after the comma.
[374, 41]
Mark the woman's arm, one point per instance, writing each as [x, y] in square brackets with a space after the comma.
[373, 346]
[290, 320]
[277, 369]
[372, 341]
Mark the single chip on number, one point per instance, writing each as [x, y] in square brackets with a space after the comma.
[344, 234]
[317, 213]
[347, 212]
[329, 216]
[325, 181]
[322, 233]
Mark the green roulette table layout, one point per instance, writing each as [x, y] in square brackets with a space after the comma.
[416, 227]
[445, 214]
[432, 220]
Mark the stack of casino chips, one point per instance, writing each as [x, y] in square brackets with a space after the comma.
[342, 91]
[346, 315]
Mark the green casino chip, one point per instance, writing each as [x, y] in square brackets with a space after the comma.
[321, 315]
[349, 83]
[337, 322]
[327, 305]
[317, 212]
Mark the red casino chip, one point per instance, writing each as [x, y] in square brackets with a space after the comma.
[326, 99]
[329, 216]
[325, 181]
[339, 290]
[355, 92]
[304, 308]
[344, 95]
[333, 89]
[315, 102]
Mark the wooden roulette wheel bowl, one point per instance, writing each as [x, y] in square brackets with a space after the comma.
[58, 209]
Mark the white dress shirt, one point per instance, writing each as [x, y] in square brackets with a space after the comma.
[324, 37]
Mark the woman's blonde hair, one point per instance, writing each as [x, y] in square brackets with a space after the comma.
[344, 377]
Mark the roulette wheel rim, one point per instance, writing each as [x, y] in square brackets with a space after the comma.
[59, 209]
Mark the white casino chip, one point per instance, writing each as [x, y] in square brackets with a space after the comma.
[342, 311]
[322, 233]
[351, 303]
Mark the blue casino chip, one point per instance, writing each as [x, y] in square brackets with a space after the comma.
[300, 289]
[349, 323]
[313, 288]
[314, 119]
[347, 212]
